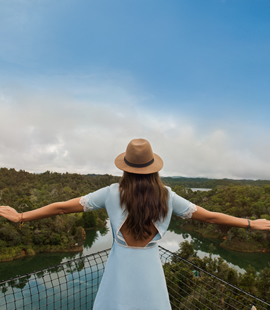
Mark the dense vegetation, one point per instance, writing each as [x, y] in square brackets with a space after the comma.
[25, 191]
[192, 287]
[251, 202]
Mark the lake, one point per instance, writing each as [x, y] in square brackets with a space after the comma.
[100, 239]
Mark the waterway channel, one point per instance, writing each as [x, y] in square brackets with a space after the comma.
[100, 239]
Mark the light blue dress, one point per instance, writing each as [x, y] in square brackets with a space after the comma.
[133, 277]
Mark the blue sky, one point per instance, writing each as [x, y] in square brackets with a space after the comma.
[80, 79]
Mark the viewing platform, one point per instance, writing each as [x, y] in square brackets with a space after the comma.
[74, 284]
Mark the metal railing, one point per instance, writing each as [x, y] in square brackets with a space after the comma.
[191, 287]
[74, 284]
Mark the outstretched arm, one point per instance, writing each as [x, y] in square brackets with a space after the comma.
[56, 208]
[223, 219]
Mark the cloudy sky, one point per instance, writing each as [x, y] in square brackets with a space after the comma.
[80, 79]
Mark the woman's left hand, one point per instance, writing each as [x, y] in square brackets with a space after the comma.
[260, 224]
[10, 214]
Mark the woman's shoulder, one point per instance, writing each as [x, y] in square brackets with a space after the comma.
[114, 187]
[169, 190]
[110, 188]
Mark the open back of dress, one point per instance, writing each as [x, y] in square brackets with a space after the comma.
[130, 240]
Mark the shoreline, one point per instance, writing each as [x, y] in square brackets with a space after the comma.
[21, 252]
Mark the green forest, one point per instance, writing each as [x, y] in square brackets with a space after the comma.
[27, 191]
[252, 202]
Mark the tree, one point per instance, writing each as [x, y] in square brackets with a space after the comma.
[186, 249]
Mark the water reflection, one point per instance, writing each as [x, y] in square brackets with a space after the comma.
[97, 240]
[238, 260]
[30, 264]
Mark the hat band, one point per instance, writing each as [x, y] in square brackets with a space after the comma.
[138, 165]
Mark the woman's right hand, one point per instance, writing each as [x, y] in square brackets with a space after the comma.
[10, 214]
[56, 208]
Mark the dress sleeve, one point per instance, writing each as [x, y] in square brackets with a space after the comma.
[182, 207]
[95, 200]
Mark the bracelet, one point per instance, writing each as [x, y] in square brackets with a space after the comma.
[21, 221]
[248, 227]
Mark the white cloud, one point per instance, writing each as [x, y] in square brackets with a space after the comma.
[58, 131]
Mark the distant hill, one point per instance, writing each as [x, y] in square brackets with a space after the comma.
[210, 183]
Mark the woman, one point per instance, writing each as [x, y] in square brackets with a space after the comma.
[140, 209]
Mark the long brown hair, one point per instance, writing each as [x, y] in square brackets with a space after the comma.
[144, 197]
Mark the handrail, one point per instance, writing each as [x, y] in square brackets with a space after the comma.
[204, 291]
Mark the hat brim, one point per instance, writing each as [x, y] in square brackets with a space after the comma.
[154, 167]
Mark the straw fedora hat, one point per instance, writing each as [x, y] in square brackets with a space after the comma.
[139, 158]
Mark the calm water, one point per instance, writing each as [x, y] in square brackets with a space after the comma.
[97, 240]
